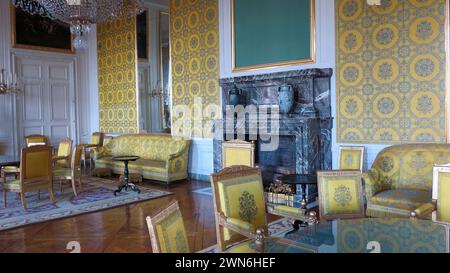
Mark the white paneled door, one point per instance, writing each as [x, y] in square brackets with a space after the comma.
[47, 104]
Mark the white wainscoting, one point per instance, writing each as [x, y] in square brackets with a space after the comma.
[201, 159]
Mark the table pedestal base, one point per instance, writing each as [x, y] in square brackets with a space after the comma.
[126, 187]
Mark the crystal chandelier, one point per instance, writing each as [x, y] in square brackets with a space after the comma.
[8, 84]
[82, 14]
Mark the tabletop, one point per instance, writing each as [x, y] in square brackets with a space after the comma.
[7, 160]
[308, 179]
[368, 235]
[126, 158]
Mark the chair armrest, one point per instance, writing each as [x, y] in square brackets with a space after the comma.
[176, 155]
[178, 162]
[100, 152]
[424, 210]
[371, 182]
[56, 158]
[239, 226]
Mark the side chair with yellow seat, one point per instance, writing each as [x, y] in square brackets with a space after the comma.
[351, 158]
[239, 204]
[62, 158]
[33, 140]
[400, 180]
[238, 153]
[35, 174]
[96, 142]
[439, 207]
[73, 173]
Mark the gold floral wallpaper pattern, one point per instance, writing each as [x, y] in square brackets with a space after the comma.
[194, 31]
[116, 45]
[390, 71]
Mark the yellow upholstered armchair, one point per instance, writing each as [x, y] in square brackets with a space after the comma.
[62, 158]
[168, 234]
[96, 142]
[167, 231]
[240, 208]
[35, 173]
[400, 180]
[439, 207]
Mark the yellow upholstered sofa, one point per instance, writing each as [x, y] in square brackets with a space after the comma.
[162, 158]
[400, 179]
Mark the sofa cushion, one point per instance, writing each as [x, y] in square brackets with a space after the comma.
[154, 147]
[149, 165]
[401, 198]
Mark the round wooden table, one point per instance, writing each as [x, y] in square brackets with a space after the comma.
[126, 185]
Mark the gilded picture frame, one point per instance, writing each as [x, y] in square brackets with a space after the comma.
[61, 33]
[352, 149]
[310, 60]
[324, 177]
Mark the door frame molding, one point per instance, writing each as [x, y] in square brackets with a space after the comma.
[71, 60]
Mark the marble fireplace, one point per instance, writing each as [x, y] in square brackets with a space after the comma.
[304, 134]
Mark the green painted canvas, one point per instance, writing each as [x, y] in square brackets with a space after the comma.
[267, 32]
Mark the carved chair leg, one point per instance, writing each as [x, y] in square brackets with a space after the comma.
[220, 239]
[24, 200]
[74, 187]
[52, 195]
[4, 199]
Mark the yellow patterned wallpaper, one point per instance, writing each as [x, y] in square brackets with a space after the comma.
[391, 71]
[116, 45]
[194, 40]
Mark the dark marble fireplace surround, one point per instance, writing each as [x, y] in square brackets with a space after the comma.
[304, 133]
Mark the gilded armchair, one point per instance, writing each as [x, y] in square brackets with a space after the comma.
[239, 204]
[439, 207]
[168, 234]
[88, 151]
[167, 231]
[62, 157]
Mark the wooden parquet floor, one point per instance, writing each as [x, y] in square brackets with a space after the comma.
[118, 230]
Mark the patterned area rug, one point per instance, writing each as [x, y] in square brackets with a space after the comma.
[276, 228]
[204, 191]
[97, 194]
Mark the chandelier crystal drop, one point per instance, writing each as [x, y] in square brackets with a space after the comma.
[82, 14]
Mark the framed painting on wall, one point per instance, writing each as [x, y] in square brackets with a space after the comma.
[142, 36]
[39, 33]
[266, 34]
